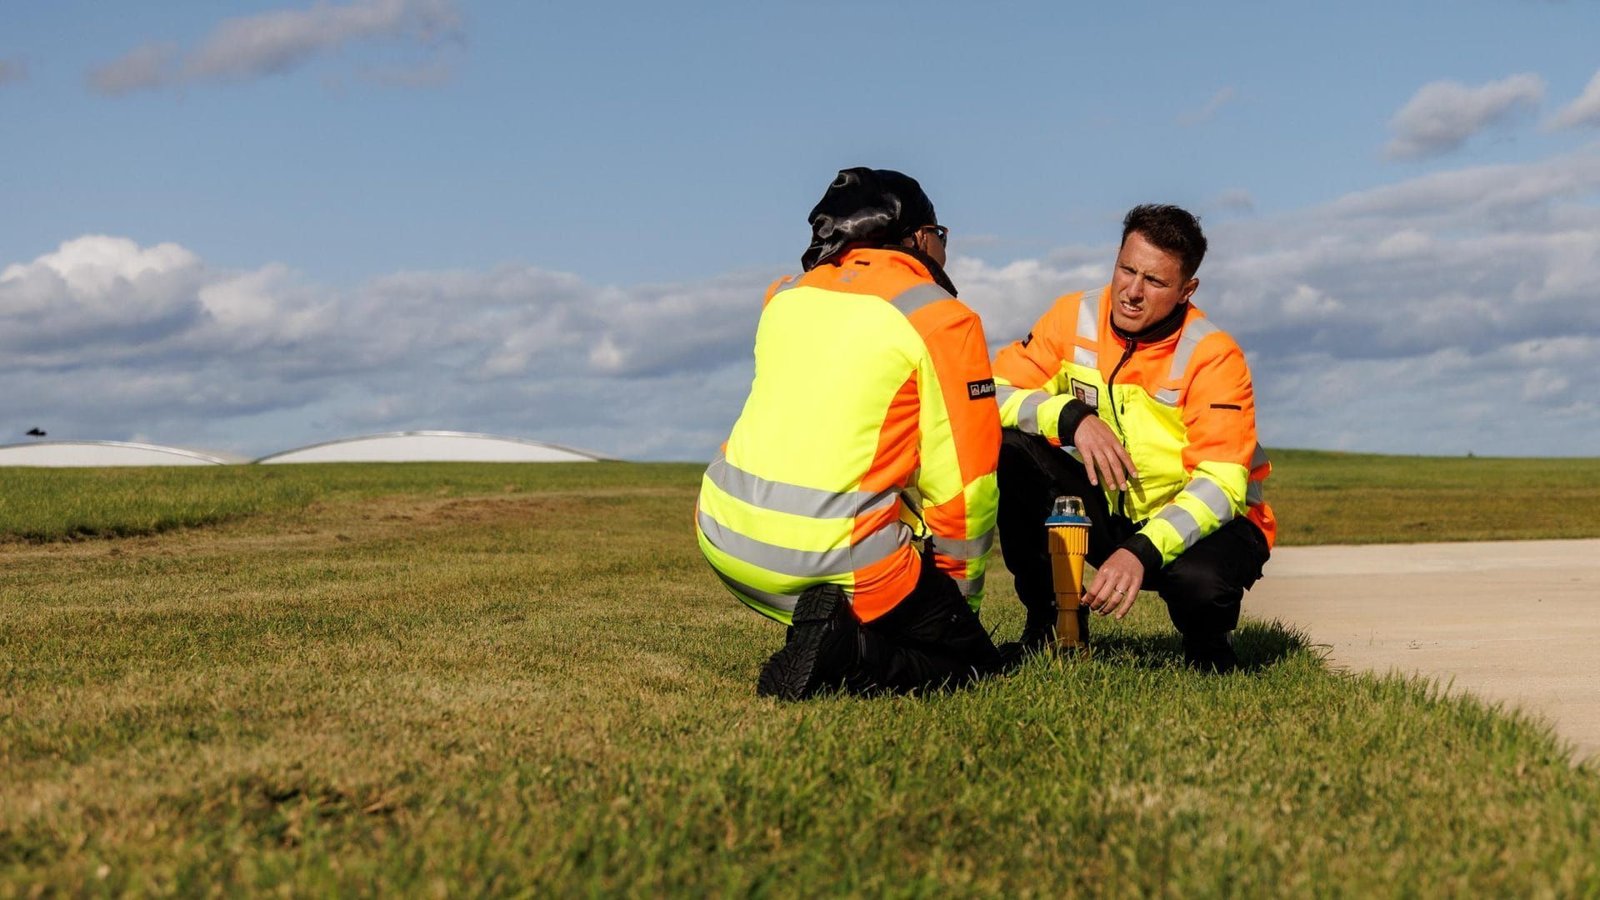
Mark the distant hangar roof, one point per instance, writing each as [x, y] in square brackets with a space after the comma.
[432, 446]
[67, 454]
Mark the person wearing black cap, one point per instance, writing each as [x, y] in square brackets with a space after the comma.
[855, 498]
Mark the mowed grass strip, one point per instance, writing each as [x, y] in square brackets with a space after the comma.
[68, 504]
[542, 689]
[1349, 498]
[39, 504]
[1320, 497]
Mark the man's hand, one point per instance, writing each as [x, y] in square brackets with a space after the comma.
[1103, 454]
[1116, 584]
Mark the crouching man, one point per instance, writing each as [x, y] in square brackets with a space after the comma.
[1129, 397]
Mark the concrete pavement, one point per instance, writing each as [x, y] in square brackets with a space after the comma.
[1517, 621]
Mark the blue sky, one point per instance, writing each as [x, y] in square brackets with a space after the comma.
[256, 225]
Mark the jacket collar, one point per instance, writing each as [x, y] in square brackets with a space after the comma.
[910, 257]
[1159, 331]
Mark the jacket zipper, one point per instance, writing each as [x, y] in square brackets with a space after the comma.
[1111, 389]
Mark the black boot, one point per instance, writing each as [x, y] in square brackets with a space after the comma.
[1210, 652]
[820, 650]
[1039, 631]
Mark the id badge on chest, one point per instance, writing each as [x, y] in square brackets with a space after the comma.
[1086, 392]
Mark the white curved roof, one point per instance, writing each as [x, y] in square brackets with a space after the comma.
[432, 446]
[65, 454]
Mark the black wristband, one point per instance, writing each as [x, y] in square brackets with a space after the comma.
[1141, 547]
[1072, 415]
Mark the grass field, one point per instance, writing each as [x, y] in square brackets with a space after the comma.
[522, 679]
[1320, 497]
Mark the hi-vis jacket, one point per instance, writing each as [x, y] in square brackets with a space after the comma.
[1182, 405]
[871, 421]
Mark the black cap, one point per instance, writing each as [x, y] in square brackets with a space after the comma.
[873, 206]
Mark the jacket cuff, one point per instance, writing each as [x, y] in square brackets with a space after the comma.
[1072, 415]
[1146, 551]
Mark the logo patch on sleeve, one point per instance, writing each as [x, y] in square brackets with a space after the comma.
[977, 390]
[1086, 392]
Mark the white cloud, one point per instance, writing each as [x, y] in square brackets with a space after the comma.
[1444, 402]
[1442, 115]
[273, 42]
[1584, 111]
[1209, 110]
[93, 286]
[96, 264]
[1235, 200]
[12, 70]
[105, 338]
[1480, 192]
[1446, 313]
[1010, 298]
[146, 66]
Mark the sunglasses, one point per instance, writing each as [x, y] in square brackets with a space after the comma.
[940, 232]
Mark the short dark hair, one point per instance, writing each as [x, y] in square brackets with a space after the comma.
[1170, 228]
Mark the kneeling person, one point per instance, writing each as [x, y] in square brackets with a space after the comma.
[870, 427]
[1156, 407]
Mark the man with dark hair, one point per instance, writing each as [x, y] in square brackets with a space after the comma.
[870, 428]
[1130, 398]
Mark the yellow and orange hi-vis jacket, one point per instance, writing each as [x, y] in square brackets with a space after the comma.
[871, 422]
[1182, 405]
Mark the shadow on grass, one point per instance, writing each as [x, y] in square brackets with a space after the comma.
[1259, 645]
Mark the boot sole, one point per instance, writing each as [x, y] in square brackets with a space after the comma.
[788, 674]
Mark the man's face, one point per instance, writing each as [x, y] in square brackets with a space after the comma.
[1147, 284]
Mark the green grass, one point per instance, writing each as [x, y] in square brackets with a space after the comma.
[1320, 497]
[1349, 498]
[523, 679]
[68, 504]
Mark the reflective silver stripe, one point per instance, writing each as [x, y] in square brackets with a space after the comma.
[1028, 412]
[1254, 494]
[967, 549]
[806, 563]
[1089, 317]
[793, 284]
[1194, 332]
[746, 593]
[912, 299]
[1088, 330]
[968, 588]
[1179, 518]
[793, 498]
[1167, 398]
[1004, 392]
[1213, 496]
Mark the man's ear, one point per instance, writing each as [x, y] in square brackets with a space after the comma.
[1189, 288]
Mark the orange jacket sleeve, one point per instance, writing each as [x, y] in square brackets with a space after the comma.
[960, 442]
[1032, 394]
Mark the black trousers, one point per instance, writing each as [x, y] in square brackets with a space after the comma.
[1202, 588]
[930, 639]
